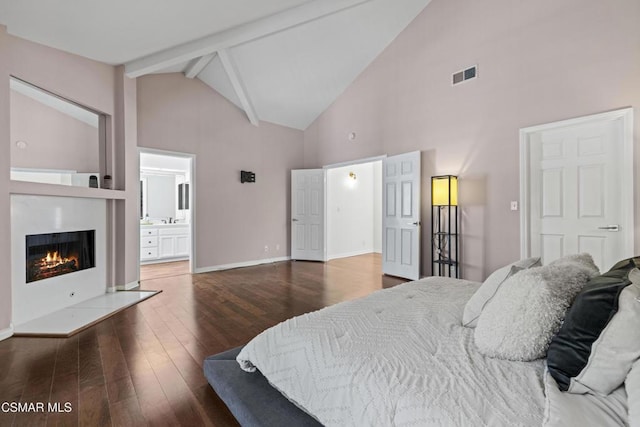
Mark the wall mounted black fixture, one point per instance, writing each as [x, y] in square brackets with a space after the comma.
[246, 176]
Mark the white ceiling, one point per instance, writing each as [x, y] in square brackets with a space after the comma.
[282, 61]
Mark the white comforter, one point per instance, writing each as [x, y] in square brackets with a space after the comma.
[398, 357]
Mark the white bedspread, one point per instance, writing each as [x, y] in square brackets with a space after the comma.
[398, 357]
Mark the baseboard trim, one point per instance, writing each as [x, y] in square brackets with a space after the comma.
[241, 264]
[6, 333]
[350, 254]
[163, 260]
[128, 286]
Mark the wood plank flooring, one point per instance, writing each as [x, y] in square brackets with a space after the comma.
[165, 269]
[143, 366]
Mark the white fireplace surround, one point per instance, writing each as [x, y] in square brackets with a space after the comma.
[32, 214]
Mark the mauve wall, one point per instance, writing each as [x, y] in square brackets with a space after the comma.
[538, 62]
[233, 221]
[79, 79]
[54, 140]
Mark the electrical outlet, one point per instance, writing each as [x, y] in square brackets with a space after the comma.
[266, 248]
[277, 247]
[514, 205]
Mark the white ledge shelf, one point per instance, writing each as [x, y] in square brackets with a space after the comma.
[41, 189]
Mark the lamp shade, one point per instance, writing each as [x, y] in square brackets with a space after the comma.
[444, 190]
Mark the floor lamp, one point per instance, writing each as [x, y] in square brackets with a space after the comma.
[444, 226]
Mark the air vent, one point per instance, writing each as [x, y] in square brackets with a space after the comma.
[464, 75]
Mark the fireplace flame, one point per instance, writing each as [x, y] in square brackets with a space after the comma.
[53, 259]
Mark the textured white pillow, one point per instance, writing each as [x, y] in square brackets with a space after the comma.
[518, 323]
[489, 287]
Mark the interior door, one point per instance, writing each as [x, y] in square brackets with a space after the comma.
[401, 215]
[580, 199]
[307, 214]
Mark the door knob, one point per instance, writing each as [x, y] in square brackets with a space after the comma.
[614, 227]
[294, 219]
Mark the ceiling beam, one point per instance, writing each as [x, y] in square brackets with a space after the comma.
[236, 81]
[197, 65]
[262, 27]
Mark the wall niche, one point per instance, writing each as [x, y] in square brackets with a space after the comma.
[55, 140]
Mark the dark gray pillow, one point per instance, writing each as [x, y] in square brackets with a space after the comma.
[580, 357]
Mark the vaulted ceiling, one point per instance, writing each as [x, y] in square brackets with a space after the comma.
[281, 61]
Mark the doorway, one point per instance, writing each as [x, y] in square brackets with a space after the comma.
[166, 209]
[577, 188]
[354, 209]
[399, 213]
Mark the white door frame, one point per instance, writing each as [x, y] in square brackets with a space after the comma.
[192, 199]
[624, 114]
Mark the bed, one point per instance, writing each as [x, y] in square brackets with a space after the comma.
[398, 357]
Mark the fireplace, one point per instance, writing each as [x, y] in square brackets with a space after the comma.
[54, 254]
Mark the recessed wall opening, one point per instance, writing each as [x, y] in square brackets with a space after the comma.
[55, 140]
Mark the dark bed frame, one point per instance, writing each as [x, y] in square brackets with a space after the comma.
[249, 396]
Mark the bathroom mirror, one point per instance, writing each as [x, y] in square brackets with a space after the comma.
[53, 140]
[158, 195]
[164, 188]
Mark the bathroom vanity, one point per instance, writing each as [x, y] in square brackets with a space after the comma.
[164, 242]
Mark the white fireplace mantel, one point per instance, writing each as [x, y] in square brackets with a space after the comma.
[38, 214]
[42, 189]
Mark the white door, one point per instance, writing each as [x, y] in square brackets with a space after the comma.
[307, 214]
[580, 189]
[401, 215]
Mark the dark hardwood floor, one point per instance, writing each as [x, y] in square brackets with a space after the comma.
[143, 366]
